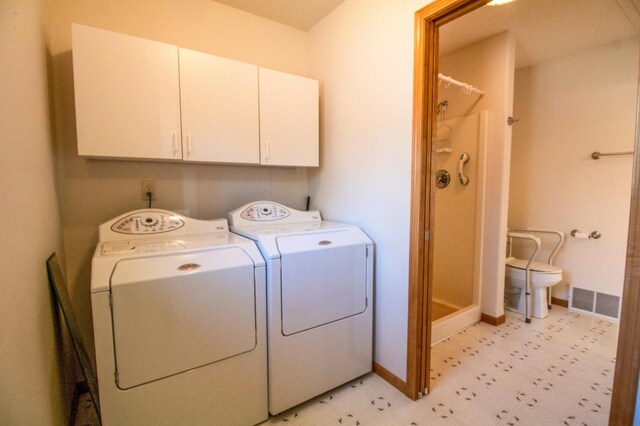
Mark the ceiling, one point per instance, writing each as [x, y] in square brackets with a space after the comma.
[543, 29]
[547, 29]
[300, 14]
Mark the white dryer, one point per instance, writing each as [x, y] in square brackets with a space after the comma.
[179, 322]
[319, 299]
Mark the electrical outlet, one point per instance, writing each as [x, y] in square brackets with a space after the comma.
[148, 186]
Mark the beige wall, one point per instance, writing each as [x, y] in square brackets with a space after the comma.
[569, 108]
[457, 224]
[33, 389]
[489, 65]
[94, 191]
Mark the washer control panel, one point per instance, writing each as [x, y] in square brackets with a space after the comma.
[147, 222]
[120, 247]
[265, 212]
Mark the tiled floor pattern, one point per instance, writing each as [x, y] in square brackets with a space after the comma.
[556, 371]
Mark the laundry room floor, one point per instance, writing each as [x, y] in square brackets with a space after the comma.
[554, 371]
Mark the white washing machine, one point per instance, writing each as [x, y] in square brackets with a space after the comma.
[319, 299]
[179, 322]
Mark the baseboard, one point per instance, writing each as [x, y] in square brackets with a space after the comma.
[81, 387]
[387, 375]
[493, 320]
[559, 302]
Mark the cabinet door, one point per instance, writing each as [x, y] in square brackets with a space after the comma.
[127, 95]
[289, 109]
[219, 99]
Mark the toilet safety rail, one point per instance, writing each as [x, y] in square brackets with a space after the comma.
[534, 231]
[528, 234]
[538, 244]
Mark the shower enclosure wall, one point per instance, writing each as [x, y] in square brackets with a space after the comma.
[457, 236]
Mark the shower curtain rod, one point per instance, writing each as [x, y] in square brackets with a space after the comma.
[466, 88]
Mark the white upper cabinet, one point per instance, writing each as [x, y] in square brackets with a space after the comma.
[127, 95]
[289, 126]
[141, 99]
[219, 109]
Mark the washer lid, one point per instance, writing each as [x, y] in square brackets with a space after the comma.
[535, 266]
[173, 313]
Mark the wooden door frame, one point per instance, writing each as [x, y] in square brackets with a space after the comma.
[425, 83]
[625, 378]
[627, 370]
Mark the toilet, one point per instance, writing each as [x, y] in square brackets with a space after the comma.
[543, 276]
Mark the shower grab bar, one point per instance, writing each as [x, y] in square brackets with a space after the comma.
[538, 243]
[559, 234]
[597, 154]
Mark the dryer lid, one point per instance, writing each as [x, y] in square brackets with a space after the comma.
[323, 279]
[535, 266]
[269, 238]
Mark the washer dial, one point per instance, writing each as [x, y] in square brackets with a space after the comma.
[148, 222]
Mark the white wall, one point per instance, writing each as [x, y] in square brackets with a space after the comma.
[94, 191]
[569, 108]
[33, 389]
[488, 65]
[363, 54]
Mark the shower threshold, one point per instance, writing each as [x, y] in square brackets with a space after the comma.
[454, 322]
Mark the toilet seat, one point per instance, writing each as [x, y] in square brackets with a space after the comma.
[539, 267]
[542, 275]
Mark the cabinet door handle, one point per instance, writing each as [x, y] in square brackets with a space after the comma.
[175, 144]
[188, 144]
[267, 150]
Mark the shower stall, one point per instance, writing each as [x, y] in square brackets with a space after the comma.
[459, 161]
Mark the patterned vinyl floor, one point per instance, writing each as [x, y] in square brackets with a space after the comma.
[556, 371]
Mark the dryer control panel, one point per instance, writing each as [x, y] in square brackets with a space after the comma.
[264, 211]
[147, 222]
[269, 211]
